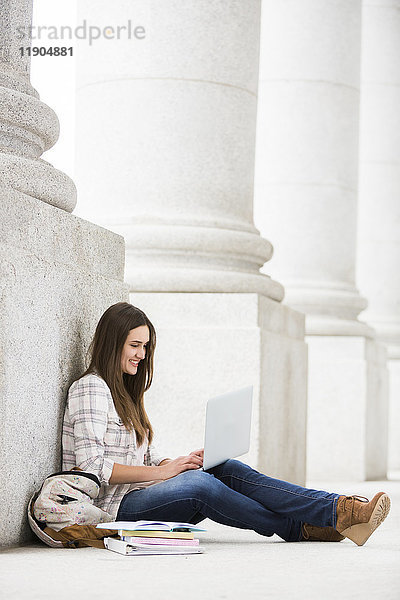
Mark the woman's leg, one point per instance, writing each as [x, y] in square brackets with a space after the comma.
[287, 499]
[195, 495]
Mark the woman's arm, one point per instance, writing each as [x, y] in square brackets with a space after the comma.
[85, 425]
[166, 469]
[131, 474]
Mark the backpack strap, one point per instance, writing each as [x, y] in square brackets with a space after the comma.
[71, 537]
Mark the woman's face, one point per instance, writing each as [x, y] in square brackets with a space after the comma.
[134, 349]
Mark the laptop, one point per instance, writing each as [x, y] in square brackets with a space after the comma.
[228, 422]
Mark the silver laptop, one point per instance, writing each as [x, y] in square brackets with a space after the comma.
[228, 422]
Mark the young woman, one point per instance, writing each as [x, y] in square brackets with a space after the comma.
[106, 431]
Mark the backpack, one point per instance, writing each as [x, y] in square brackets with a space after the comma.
[62, 513]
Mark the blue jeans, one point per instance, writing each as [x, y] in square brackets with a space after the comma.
[233, 494]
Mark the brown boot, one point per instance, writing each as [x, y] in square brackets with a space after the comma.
[357, 518]
[311, 533]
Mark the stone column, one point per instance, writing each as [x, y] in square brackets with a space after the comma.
[379, 205]
[306, 203]
[172, 170]
[181, 106]
[58, 273]
[29, 127]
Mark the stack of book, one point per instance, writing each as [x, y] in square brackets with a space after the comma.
[152, 537]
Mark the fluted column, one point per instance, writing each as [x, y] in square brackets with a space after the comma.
[379, 204]
[28, 127]
[172, 168]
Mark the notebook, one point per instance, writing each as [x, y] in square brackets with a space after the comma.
[134, 549]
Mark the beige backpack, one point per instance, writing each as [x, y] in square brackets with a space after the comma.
[62, 512]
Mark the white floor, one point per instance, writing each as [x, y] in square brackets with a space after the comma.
[236, 564]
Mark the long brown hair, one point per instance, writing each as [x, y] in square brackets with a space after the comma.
[106, 348]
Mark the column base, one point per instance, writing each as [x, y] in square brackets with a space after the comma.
[209, 344]
[324, 325]
[186, 280]
[394, 415]
[58, 275]
[347, 409]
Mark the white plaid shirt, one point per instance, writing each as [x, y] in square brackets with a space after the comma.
[94, 438]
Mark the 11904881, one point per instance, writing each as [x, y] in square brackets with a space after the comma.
[43, 51]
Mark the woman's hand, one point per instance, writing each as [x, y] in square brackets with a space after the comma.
[199, 453]
[183, 463]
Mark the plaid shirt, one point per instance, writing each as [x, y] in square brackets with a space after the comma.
[94, 438]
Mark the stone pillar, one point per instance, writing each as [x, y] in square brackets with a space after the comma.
[181, 106]
[172, 170]
[29, 127]
[306, 203]
[58, 274]
[379, 205]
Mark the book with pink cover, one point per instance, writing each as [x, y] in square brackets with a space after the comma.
[159, 541]
[126, 549]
